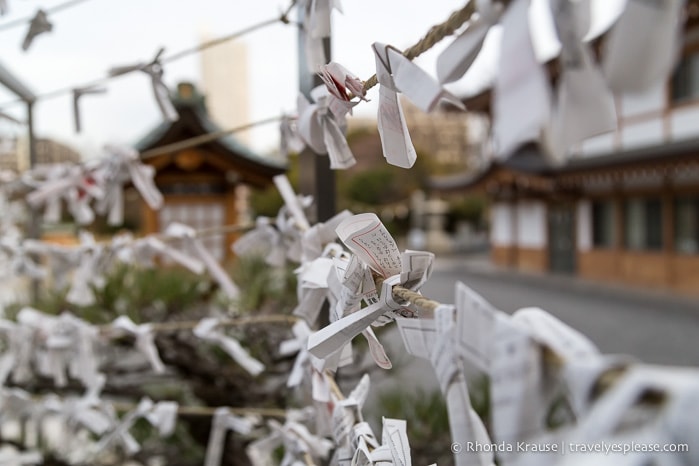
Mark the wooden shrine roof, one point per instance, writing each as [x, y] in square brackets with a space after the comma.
[194, 121]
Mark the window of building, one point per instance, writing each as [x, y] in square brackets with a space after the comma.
[685, 81]
[643, 224]
[687, 225]
[603, 224]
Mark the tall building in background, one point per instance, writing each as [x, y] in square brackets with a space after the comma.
[14, 153]
[226, 86]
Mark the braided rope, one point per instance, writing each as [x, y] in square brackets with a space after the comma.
[433, 36]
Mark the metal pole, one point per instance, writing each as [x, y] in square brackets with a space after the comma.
[8, 80]
[34, 230]
[316, 177]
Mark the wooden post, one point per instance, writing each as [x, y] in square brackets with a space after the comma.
[316, 177]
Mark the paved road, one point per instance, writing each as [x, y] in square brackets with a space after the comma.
[655, 328]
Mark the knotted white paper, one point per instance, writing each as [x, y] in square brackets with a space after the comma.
[121, 432]
[302, 363]
[394, 449]
[264, 240]
[89, 272]
[289, 139]
[322, 127]
[145, 340]
[291, 201]
[395, 73]
[120, 167]
[366, 236]
[208, 330]
[71, 183]
[341, 83]
[189, 235]
[223, 421]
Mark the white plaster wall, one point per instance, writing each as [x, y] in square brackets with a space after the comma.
[652, 100]
[642, 134]
[531, 224]
[684, 123]
[501, 224]
[584, 226]
[596, 145]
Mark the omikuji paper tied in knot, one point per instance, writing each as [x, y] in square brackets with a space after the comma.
[58, 346]
[223, 421]
[335, 336]
[121, 433]
[395, 73]
[299, 441]
[208, 329]
[145, 340]
[322, 126]
[365, 235]
[289, 139]
[341, 83]
[163, 416]
[89, 272]
[347, 288]
[264, 240]
[189, 235]
[291, 201]
[20, 262]
[348, 412]
[394, 449]
[71, 183]
[261, 451]
[296, 345]
[118, 168]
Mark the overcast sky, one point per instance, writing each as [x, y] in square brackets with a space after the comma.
[93, 36]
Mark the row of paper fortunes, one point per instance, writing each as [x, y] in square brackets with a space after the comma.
[640, 52]
[523, 384]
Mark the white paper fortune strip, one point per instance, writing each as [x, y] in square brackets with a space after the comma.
[522, 98]
[145, 340]
[322, 126]
[395, 74]
[189, 235]
[208, 330]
